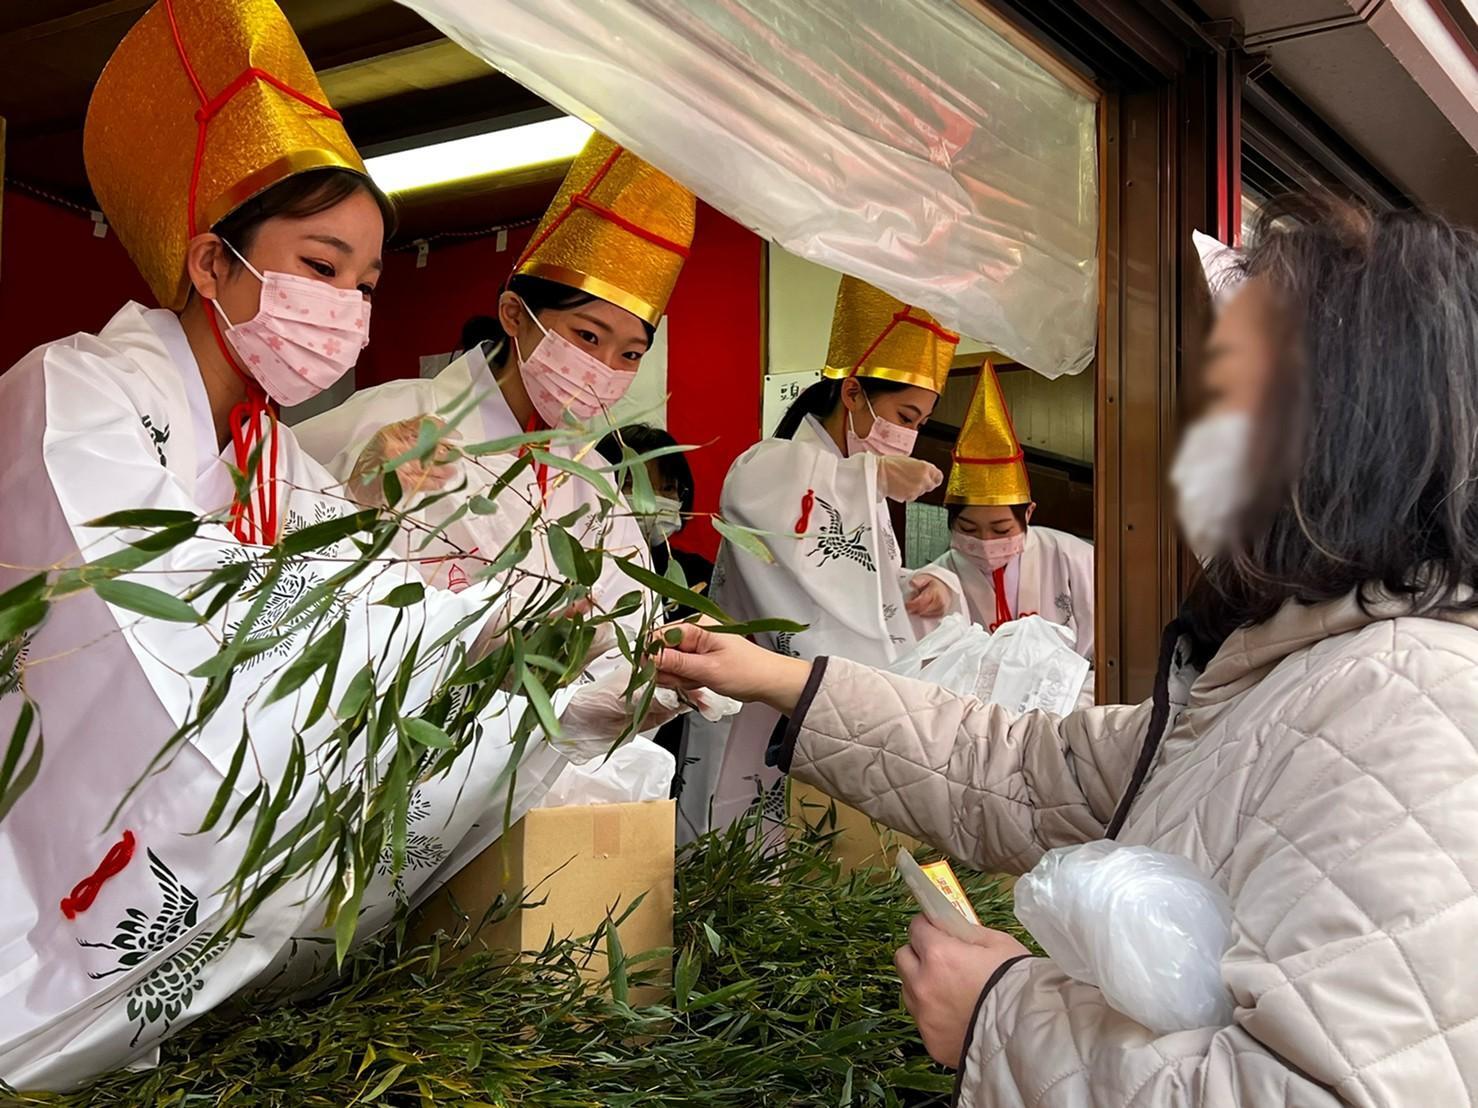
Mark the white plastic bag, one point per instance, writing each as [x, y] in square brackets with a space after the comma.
[1146, 927]
[1029, 664]
[637, 770]
[951, 631]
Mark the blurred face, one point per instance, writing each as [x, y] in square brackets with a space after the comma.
[611, 334]
[340, 247]
[1241, 352]
[908, 407]
[995, 522]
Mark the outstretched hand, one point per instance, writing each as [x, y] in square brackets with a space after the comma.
[693, 657]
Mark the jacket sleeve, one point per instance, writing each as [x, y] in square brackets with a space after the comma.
[964, 776]
[1351, 879]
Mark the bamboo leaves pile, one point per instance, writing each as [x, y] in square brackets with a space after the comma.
[783, 994]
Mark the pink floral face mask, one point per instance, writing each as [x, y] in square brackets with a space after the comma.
[993, 554]
[305, 336]
[562, 379]
[882, 437]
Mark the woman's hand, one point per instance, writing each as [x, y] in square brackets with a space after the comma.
[430, 474]
[929, 598]
[943, 978]
[729, 664]
[905, 479]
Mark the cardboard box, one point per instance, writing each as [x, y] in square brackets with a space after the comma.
[582, 862]
[860, 843]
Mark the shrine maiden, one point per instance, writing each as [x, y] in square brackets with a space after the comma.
[820, 490]
[236, 191]
[1007, 567]
[579, 313]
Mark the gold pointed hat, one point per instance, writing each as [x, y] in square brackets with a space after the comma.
[618, 229]
[989, 466]
[876, 335]
[204, 104]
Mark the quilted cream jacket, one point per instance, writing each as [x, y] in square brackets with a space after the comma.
[1322, 770]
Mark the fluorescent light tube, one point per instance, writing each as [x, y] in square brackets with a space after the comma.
[550, 140]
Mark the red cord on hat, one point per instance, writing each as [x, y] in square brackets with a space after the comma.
[582, 200]
[86, 891]
[905, 316]
[248, 523]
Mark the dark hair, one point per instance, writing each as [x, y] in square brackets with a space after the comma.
[298, 197]
[541, 296]
[480, 329]
[641, 438]
[1017, 510]
[822, 398]
[1366, 471]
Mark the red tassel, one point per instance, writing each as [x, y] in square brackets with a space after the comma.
[807, 503]
[113, 863]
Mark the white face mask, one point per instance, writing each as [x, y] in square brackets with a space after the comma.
[665, 521]
[1211, 481]
[883, 438]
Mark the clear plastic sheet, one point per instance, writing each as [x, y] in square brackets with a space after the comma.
[905, 142]
[1146, 927]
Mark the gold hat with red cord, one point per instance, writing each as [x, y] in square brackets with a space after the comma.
[877, 335]
[989, 466]
[204, 104]
[617, 229]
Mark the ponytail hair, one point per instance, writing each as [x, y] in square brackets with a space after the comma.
[822, 399]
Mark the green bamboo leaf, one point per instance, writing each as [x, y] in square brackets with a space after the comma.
[390, 487]
[322, 651]
[17, 620]
[345, 924]
[539, 700]
[597, 480]
[440, 529]
[569, 556]
[746, 539]
[482, 506]
[713, 937]
[689, 964]
[508, 444]
[403, 596]
[665, 588]
[722, 995]
[327, 533]
[228, 783]
[143, 517]
[616, 959]
[641, 498]
[426, 733]
[759, 626]
[511, 555]
[32, 588]
[248, 804]
[146, 601]
[13, 783]
[388, 1080]
[227, 661]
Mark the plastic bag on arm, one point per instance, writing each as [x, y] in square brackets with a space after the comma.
[906, 142]
[1147, 928]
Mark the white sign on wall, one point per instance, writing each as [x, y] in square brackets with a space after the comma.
[780, 391]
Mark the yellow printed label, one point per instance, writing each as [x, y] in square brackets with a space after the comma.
[946, 882]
